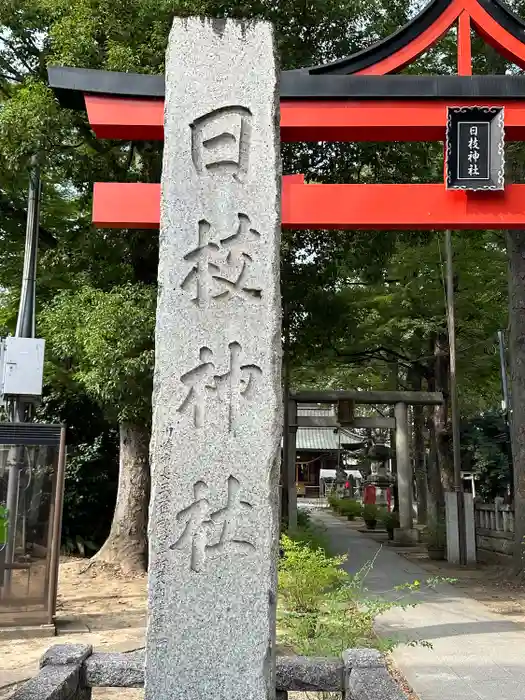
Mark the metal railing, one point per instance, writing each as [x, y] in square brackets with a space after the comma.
[70, 671]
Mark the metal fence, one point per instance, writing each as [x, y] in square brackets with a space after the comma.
[70, 671]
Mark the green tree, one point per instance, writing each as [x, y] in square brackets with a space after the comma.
[485, 444]
[110, 336]
[360, 328]
[91, 465]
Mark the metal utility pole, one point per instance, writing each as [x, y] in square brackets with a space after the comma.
[451, 323]
[25, 325]
[25, 328]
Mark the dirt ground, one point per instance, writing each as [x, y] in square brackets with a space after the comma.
[95, 606]
[494, 585]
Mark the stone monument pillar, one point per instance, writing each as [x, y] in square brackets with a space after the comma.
[217, 405]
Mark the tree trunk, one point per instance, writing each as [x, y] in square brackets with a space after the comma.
[516, 257]
[436, 497]
[415, 383]
[126, 544]
[442, 428]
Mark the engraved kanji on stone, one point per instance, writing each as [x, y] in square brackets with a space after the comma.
[221, 264]
[238, 385]
[220, 141]
[200, 382]
[209, 532]
[233, 388]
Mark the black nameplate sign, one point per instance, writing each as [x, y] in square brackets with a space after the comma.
[475, 148]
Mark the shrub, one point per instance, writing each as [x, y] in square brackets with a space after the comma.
[435, 534]
[90, 487]
[308, 532]
[306, 575]
[389, 520]
[303, 518]
[334, 502]
[370, 512]
[323, 609]
[91, 468]
[345, 506]
[350, 508]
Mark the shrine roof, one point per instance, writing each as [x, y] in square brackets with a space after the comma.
[71, 84]
[429, 17]
[326, 440]
[317, 440]
[365, 74]
[316, 410]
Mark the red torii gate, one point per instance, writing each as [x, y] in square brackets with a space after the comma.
[352, 99]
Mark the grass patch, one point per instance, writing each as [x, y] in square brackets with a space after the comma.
[309, 533]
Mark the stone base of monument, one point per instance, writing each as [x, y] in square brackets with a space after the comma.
[406, 537]
[27, 632]
[70, 671]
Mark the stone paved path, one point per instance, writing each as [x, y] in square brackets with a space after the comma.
[476, 654]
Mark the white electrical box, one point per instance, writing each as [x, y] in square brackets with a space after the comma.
[22, 366]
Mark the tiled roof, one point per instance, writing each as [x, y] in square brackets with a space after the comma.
[318, 412]
[321, 439]
[315, 439]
